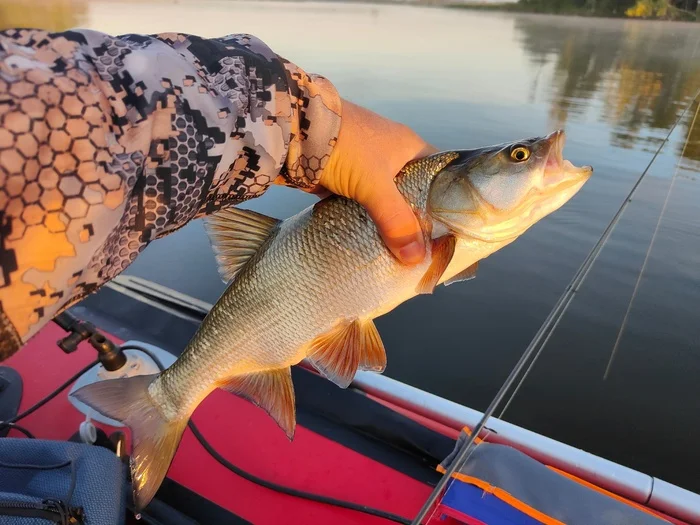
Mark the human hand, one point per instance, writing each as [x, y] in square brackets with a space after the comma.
[369, 153]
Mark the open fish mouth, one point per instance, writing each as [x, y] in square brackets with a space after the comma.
[560, 180]
[559, 172]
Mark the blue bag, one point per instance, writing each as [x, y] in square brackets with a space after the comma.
[45, 482]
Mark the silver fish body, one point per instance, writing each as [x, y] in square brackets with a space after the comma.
[310, 286]
[320, 267]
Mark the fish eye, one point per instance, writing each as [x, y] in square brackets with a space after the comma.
[520, 153]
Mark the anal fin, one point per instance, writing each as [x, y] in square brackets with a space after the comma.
[465, 275]
[272, 391]
[350, 346]
[443, 249]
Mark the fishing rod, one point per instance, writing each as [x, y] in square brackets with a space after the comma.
[534, 349]
[641, 272]
[616, 346]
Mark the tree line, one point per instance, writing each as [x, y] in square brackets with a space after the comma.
[665, 9]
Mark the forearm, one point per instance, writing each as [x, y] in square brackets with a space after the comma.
[108, 143]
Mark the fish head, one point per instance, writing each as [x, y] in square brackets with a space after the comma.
[495, 194]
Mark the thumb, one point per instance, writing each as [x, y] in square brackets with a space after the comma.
[395, 220]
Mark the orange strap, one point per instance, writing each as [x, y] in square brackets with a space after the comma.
[468, 432]
[511, 500]
[606, 492]
[526, 509]
[500, 493]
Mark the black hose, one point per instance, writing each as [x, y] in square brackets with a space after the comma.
[291, 491]
[36, 406]
[11, 423]
[15, 426]
[269, 484]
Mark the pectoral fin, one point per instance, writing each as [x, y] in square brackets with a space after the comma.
[272, 391]
[236, 235]
[349, 346]
[442, 251]
[464, 275]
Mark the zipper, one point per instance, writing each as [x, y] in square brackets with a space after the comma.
[51, 510]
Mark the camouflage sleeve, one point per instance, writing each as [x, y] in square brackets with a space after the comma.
[107, 143]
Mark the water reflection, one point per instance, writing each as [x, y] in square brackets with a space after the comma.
[638, 75]
[642, 74]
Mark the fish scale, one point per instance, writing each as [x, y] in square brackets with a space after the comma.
[310, 287]
[324, 265]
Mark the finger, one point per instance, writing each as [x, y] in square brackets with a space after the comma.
[395, 220]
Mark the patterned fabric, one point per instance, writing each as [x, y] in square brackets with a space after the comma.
[107, 143]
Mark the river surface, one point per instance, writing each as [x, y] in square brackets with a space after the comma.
[467, 79]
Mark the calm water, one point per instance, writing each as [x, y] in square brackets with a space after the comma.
[467, 79]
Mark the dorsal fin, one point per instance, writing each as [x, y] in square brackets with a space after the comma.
[338, 353]
[443, 248]
[272, 391]
[236, 235]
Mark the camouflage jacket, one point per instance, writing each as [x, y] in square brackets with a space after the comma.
[107, 143]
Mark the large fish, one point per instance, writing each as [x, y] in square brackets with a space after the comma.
[310, 287]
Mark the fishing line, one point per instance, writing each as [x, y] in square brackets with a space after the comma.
[629, 197]
[616, 346]
[543, 334]
[653, 238]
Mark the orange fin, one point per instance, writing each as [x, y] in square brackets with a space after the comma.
[336, 354]
[339, 353]
[272, 391]
[373, 356]
[464, 275]
[441, 254]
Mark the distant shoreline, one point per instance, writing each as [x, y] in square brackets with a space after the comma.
[517, 7]
[535, 7]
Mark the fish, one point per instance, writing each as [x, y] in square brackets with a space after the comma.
[309, 288]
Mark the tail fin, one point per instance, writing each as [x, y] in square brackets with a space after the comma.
[154, 438]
